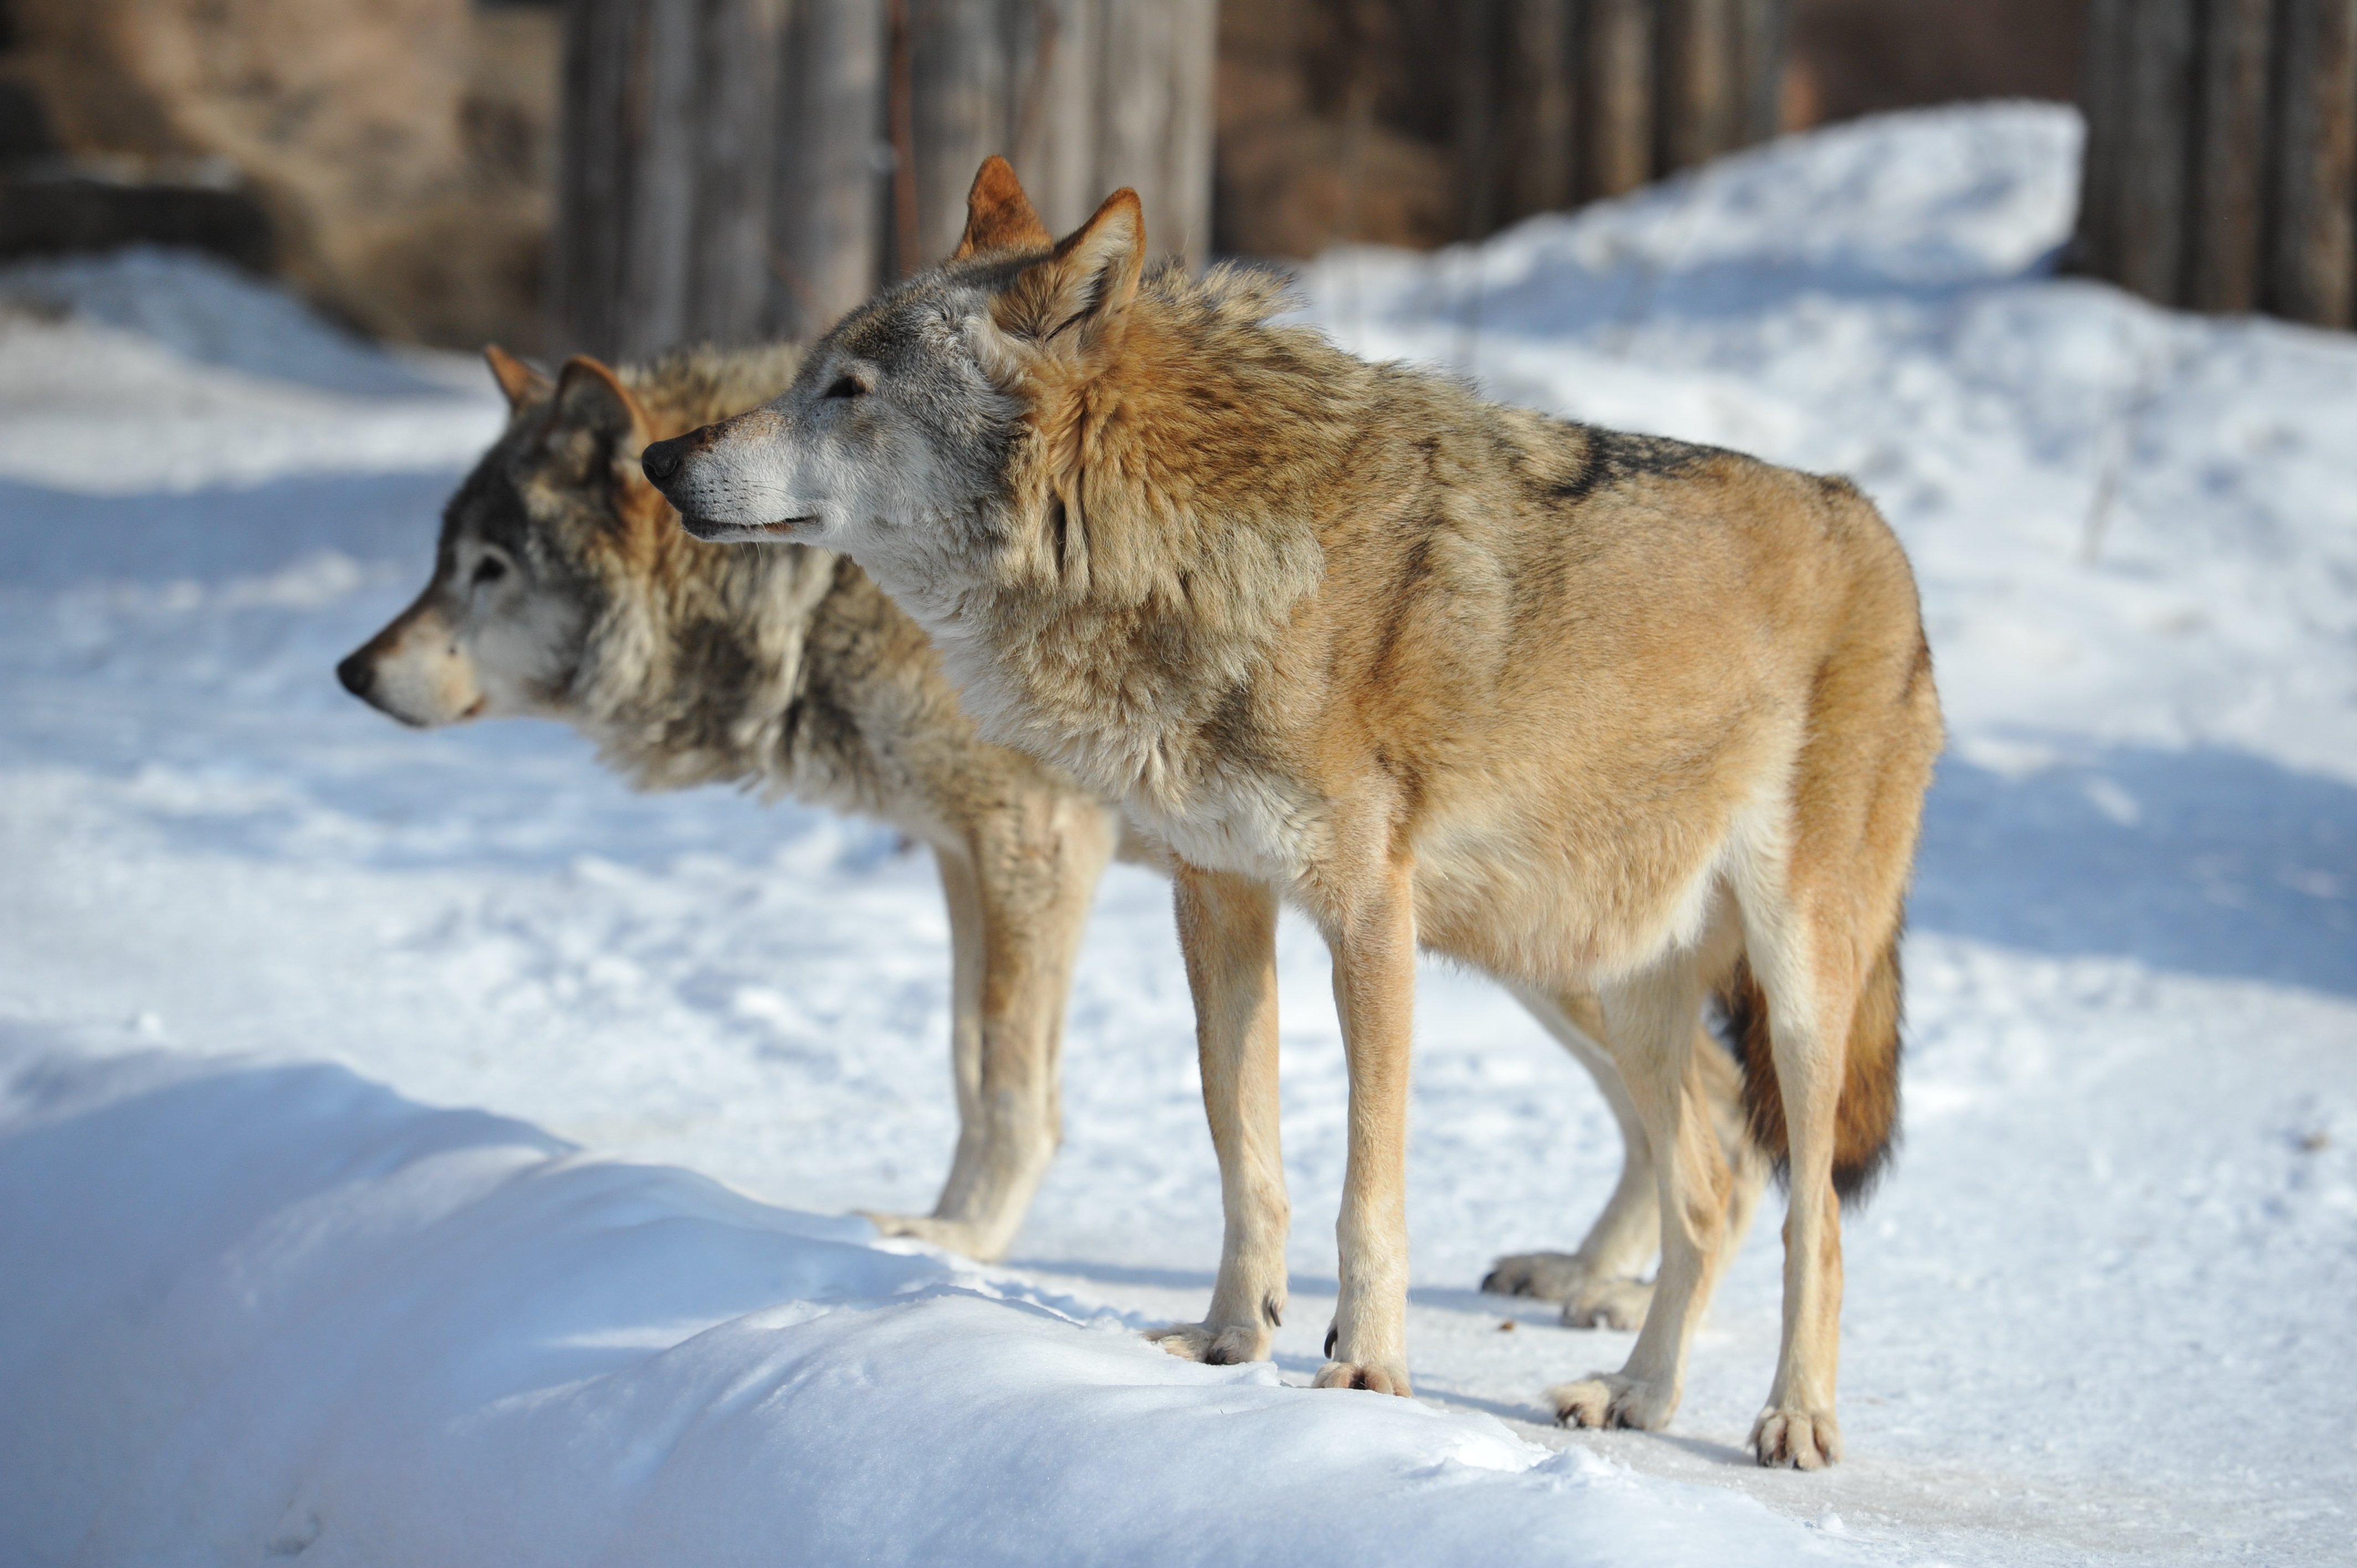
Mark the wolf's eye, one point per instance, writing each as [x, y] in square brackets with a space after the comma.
[490, 569]
[845, 386]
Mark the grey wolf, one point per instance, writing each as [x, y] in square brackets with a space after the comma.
[564, 588]
[1586, 710]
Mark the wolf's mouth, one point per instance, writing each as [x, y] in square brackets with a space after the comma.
[713, 532]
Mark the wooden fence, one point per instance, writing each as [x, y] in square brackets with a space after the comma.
[737, 170]
[2221, 168]
[1561, 101]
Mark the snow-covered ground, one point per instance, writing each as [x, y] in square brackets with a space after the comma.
[258, 1297]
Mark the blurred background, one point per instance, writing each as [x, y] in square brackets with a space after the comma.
[616, 175]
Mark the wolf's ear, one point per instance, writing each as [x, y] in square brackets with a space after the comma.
[998, 216]
[1086, 281]
[591, 397]
[523, 385]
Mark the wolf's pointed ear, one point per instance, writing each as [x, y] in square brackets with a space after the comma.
[591, 397]
[998, 216]
[523, 385]
[1086, 281]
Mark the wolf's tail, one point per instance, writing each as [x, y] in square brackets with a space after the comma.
[1866, 1125]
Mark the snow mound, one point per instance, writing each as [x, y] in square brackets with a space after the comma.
[289, 1313]
[150, 369]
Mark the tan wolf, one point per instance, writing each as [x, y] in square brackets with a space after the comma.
[1583, 710]
[564, 587]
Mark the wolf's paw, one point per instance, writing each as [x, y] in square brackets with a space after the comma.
[1608, 1398]
[1213, 1344]
[1796, 1439]
[1550, 1276]
[1377, 1376]
[1609, 1304]
[979, 1242]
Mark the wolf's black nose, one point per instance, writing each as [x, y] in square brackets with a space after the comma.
[661, 460]
[358, 674]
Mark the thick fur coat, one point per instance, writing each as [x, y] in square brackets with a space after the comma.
[1588, 712]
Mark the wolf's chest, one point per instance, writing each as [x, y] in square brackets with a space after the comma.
[1249, 824]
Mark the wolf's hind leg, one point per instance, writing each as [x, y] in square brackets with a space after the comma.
[1719, 1081]
[1599, 1284]
[1810, 995]
[1651, 1024]
[1018, 894]
[1227, 928]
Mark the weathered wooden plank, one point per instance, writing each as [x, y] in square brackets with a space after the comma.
[2156, 88]
[1154, 104]
[1480, 127]
[2314, 239]
[2229, 173]
[958, 73]
[830, 163]
[740, 46]
[723, 170]
[1761, 28]
[1054, 146]
[1541, 148]
[1616, 97]
[593, 175]
[1696, 102]
[2095, 242]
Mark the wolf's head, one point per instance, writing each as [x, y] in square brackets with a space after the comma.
[894, 445]
[500, 629]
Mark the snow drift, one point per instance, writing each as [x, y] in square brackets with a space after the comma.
[313, 1317]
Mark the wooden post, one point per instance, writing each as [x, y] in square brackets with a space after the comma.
[2095, 244]
[1698, 82]
[1761, 29]
[958, 80]
[1480, 117]
[1153, 98]
[2229, 170]
[724, 161]
[733, 92]
[660, 115]
[827, 230]
[2155, 145]
[594, 177]
[1540, 148]
[2310, 265]
[663, 198]
[1053, 148]
[1616, 97]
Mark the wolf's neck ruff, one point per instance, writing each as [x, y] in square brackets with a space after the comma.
[1144, 514]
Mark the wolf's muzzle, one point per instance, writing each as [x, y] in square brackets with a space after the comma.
[358, 673]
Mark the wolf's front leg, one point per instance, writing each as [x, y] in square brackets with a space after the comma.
[1019, 891]
[1374, 944]
[1227, 928]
